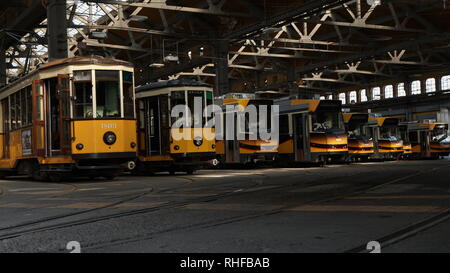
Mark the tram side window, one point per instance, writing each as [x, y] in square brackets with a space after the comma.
[12, 103]
[152, 122]
[141, 115]
[128, 94]
[108, 94]
[83, 94]
[23, 107]
[5, 115]
[29, 95]
[18, 109]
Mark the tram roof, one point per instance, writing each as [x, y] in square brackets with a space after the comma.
[86, 60]
[93, 60]
[171, 83]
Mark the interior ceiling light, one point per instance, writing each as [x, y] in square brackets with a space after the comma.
[138, 18]
[98, 35]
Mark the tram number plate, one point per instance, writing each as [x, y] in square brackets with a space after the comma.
[109, 126]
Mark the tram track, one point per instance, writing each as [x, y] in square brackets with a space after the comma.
[210, 198]
[75, 188]
[30, 228]
[406, 232]
[113, 204]
[428, 223]
[111, 216]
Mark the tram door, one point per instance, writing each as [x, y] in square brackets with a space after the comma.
[38, 140]
[5, 115]
[157, 125]
[57, 116]
[63, 96]
[425, 143]
[232, 146]
[301, 137]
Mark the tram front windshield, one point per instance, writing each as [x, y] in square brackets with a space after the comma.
[357, 127]
[390, 132]
[327, 119]
[108, 92]
[189, 98]
[440, 133]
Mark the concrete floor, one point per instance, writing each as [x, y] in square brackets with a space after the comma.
[332, 209]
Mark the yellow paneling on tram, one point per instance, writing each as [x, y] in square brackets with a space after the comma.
[73, 116]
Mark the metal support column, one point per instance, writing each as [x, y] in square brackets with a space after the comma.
[369, 93]
[222, 81]
[358, 96]
[423, 86]
[2, 67]
[439, 84]
[347, 98]
[292, 85]
[57, 29]
[408, 87]
[395, 89]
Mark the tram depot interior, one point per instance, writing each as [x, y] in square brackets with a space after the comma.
[358, 93]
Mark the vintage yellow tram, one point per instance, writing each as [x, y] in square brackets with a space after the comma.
[312, 131]
[159, 149]
[72, 116]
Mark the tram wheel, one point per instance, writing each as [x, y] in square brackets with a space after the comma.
[55, 178]
[172, 172]
[39, 176]
[190, 171]
[110, 177]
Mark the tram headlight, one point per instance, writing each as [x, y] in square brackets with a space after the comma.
[176, 147]
[109, 138]
[79, 146]
[198, 141]
[133, 145]
[213, 146]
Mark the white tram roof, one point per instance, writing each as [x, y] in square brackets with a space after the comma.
[172, 83]
[93, 60]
